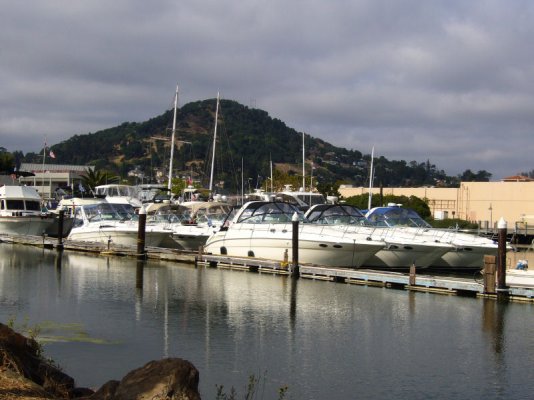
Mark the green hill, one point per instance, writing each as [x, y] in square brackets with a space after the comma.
[246, 136]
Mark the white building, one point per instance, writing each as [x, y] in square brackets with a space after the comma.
[49, 177]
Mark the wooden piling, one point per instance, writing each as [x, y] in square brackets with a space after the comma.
[141, 253]
[502, 290]
[412, 275]
[489, 274]
[501, 257]
[295, 271]
[61, 218]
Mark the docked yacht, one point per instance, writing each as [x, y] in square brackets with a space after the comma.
[402, 248]
[20, 211]
[467, 252]
[205, 219]
[264, 229]
[119, 194]
[96, 220]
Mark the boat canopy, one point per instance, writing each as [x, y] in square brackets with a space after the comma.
[264, 212]
[395, 216]
[338, 214]
[108, 211]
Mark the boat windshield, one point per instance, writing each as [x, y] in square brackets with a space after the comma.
[171, 213]
[107, 211]
[212, 214]
[336, 214]
[396, 216]
[269, 213]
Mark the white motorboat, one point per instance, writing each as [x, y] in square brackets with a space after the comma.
[205, 219]
[467, 252]
[20, 211]
[520, 277]
[99, 221]
[264, 230]
[119, 194]
[401, 250]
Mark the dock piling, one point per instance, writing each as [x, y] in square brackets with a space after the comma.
[501, 260]
[141, 254]
[61, 218]
[412, 275]
[489, 274]
[295, 271]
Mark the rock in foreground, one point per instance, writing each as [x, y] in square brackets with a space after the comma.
[24, 374]
[170, 378]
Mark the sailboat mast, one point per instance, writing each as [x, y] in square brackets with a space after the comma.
[271, 164]
[214, 142]
[371, 178]
[303, 165]
[42, 178]
[169, 184]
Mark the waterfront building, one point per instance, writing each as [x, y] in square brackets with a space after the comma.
[481, 202]
[48, 178]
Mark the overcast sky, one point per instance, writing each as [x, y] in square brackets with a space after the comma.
[449, 81]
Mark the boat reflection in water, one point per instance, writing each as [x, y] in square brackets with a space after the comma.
[321, 339]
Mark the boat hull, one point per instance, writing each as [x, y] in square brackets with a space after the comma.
[466, 257]
[117, 236]
[25, 225]
[402, 256]
[191, 237]
[521, 278]
[275, 242]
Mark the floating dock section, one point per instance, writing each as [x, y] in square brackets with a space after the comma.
[463, 286]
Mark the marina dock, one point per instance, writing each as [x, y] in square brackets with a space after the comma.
[468, 285]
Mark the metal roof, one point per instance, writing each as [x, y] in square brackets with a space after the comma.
[34, 167]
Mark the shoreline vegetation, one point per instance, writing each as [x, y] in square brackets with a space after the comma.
[26, 374]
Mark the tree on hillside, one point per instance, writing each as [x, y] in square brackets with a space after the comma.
[470, 176]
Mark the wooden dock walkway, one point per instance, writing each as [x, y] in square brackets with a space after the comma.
[155, 253]
[463, 286]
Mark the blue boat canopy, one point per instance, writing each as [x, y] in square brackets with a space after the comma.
[395, 216]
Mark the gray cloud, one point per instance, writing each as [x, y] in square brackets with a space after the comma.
[449, 81]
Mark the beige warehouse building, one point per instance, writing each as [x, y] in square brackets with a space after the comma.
[482, 202]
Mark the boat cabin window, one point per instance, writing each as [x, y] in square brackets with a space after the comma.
[15, 204]
[33, 205]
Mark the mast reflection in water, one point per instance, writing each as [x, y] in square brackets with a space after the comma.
[321, 339]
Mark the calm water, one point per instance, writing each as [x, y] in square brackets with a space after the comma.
[323, 340]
